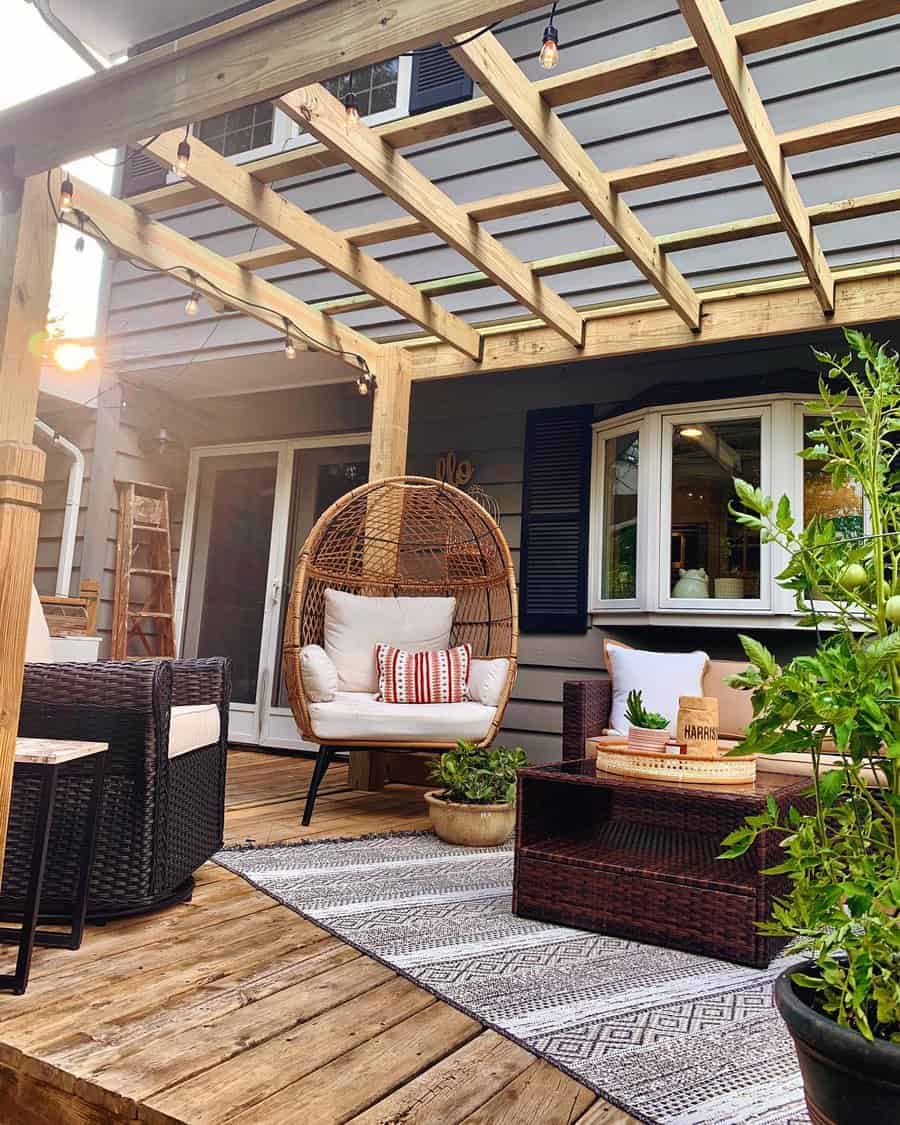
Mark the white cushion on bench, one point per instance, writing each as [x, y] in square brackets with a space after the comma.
[193, 726]
[487, 679]
[359, 716]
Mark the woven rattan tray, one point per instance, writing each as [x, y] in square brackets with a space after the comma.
[618, 758]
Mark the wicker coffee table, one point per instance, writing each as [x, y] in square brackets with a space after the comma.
[637, 859]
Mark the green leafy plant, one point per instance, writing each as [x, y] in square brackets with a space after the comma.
[842, 859]
[472, 776]
[639, 716]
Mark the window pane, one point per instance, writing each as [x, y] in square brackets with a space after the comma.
[239, 130]
[620, 500]
[375, 86]
[843, 505]
[707, 541]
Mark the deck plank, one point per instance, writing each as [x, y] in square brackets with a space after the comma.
[234, 1008]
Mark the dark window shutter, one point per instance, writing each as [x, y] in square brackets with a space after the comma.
[437, 79]
[142, 172]
[555, 501]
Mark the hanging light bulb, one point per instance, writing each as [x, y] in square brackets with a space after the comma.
[549, 56]
[182, 157]
[290, 352]
[362, 384]
[192, 304]
[66, 192]
[79, 244]
[351, 107]
[73, 357]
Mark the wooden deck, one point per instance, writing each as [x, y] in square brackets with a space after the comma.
[233, 1009]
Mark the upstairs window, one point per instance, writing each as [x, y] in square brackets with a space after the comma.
[239, 130]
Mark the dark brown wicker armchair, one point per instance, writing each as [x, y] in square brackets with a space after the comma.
[586, 708]
[160, 818]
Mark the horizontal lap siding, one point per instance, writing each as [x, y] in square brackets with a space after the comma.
[804, 84]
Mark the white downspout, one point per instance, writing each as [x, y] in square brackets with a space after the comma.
[73, 506]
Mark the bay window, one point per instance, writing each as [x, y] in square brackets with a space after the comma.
[665, 540]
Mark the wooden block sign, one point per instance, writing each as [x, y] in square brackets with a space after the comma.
[698, 723]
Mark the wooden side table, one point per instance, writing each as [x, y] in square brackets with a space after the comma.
[43, 760]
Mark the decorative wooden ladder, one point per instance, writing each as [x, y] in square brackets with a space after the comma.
[144, 600]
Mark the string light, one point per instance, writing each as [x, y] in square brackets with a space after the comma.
[73, 357]
[192, 304]
[66, 194]
[182, 156]
[351, 107]
[549, 56]
[365, 380]
[290, 351]
[79, 241]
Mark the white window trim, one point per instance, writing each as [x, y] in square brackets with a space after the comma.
[781, 471]
[286, 135]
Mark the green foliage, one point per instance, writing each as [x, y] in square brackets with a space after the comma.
[843, 860]
[639, 716]
[479, 777]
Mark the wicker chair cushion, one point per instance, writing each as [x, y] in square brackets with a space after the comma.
[320, 677]
[192, 726]
[355, 624]
[661, 677]
[487, 681]
[359, 717]
[38, 649]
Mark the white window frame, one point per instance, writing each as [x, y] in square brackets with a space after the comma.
[286, 134]
[781, 471]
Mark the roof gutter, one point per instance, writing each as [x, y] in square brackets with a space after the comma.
[95, 62]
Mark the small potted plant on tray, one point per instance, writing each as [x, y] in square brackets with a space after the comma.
[841, 705]
[477, 805]
[647, 730]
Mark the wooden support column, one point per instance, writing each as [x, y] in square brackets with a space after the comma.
[27, 243]
[387, 458]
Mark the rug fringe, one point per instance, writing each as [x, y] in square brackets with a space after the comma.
[250, 845]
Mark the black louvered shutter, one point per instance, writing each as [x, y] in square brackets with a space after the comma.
[141, 173]
[437, 79]
[555, 501]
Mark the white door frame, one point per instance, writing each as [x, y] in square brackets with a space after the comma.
[255, 721]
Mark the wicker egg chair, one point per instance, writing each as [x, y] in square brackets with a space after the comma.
[409, 537]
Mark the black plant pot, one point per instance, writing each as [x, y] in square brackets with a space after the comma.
[848, 1080]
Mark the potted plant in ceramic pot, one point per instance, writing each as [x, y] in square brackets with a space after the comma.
[841, 705]
[477, 805]
[647, 730]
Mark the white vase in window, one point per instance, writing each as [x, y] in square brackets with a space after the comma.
[692, 584]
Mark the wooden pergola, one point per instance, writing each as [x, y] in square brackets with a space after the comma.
[284, 50]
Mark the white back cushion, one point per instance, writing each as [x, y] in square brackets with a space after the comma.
[37, 645]
[320, 678]
[354, 625]
[487, 679]
[661, 677]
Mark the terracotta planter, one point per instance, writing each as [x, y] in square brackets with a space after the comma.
[644, 738]
[474, 826]
[847, 1079]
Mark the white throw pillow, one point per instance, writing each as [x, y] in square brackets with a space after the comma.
[38, 649]
[320, 678]
[661, 677]
[354, 625]
[487, 678]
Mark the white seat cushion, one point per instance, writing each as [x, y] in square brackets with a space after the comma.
[354, 625]
[193, 726]
[355, 716]
[487, 679]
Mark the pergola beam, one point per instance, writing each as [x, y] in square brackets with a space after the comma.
[491, 66]
[196, 267]
[324, 116]
[273, 212]
[722, 53]
[775, 29]
[251, 57]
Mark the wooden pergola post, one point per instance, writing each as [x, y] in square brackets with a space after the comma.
[387, 458]
[27, 244]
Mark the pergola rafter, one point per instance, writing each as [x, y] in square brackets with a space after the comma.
[322, 114]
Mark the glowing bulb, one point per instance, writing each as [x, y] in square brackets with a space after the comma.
[192, 304]
[362, 385]
[79, 244]
[290, 351]
[66, 192]
[73, 357]
[182, 157]
[351, 107]
[691, 432]
[549, 56]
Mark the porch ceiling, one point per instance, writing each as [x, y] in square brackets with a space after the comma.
[448, 344]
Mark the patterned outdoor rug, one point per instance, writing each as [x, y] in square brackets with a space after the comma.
[671, 1037]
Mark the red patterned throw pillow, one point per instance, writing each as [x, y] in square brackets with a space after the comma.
[423, 677]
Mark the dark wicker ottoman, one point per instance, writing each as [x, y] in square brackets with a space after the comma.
[637, 859]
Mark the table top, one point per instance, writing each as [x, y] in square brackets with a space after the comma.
[55, 751]
[583, 771]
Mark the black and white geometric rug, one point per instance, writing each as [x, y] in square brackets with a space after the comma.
[673, 1038]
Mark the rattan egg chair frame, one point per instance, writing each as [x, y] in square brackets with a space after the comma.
[403, 537]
